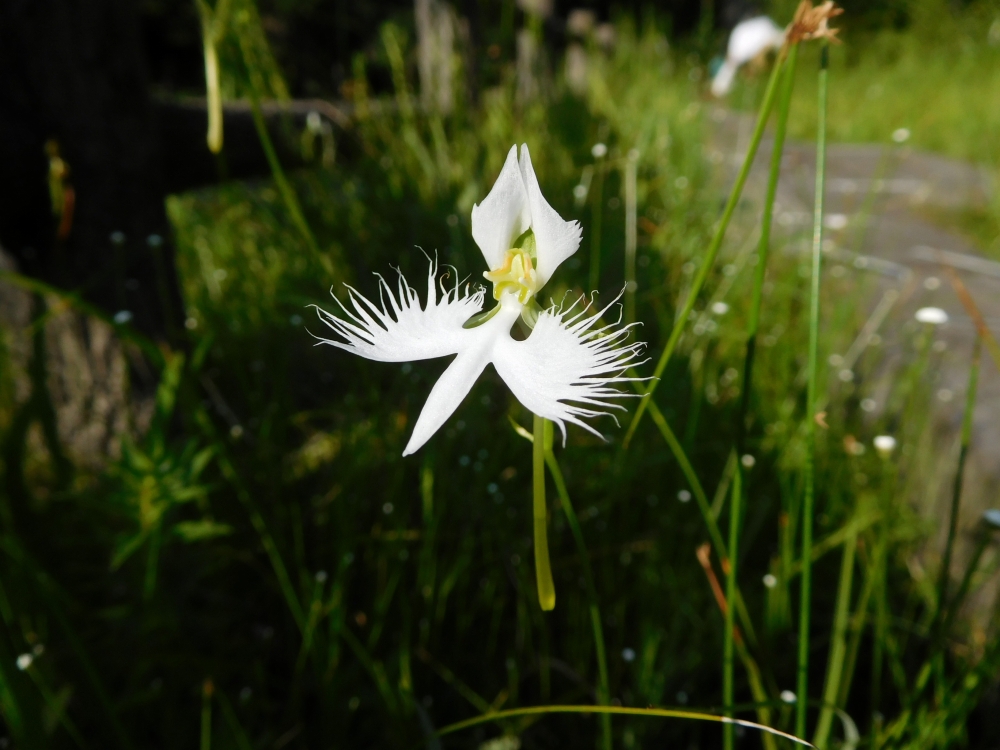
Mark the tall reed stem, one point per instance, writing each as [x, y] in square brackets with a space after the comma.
[603, 689]
[810, 467]
[543, 568]
[713, 248]
[753, 324]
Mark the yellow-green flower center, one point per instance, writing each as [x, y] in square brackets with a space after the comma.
[516, 275]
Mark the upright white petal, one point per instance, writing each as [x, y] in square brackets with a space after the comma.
[399, 330]
[456, 382]
[503, 215]
[567, 369]
[555, 239]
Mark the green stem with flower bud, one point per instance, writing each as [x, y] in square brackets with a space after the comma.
[543, 568]
[811, 388]
[753, 324]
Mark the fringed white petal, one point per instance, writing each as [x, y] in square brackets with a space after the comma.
[503, 215]
[567, 369]
[555, 239]
[399, 329]
[456, 382]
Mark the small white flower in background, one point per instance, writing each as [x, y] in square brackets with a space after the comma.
[720, 308]
[884, 444]
[24, 661]
[564, 371]
[770, 580]
[933, 315]
[901, 135]
[748, 39]
[788, 696]
[507, 742]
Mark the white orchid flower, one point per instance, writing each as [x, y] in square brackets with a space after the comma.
[564, 371]
[748, 39]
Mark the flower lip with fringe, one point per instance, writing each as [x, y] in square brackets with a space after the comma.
[568, 367]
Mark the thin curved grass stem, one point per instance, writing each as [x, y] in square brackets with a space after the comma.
[664, 713]
[604, 689]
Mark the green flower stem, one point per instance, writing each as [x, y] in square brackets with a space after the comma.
[753, 324]
[603, 689]
[713, 248]
[838, 649]
[763, 248]
[810, 469]
[543, 568]
[956, 498]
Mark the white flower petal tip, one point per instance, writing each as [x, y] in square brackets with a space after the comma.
[503, 215]
[567, 369]
[933, 315]
[399, 329]
[555, 239]
[516, 204]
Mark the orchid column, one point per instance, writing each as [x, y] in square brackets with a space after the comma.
[565, 370]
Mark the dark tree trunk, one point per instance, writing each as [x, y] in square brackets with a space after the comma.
[72, 76]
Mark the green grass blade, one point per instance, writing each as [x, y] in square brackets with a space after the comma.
[838, 649]
[956, 497]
